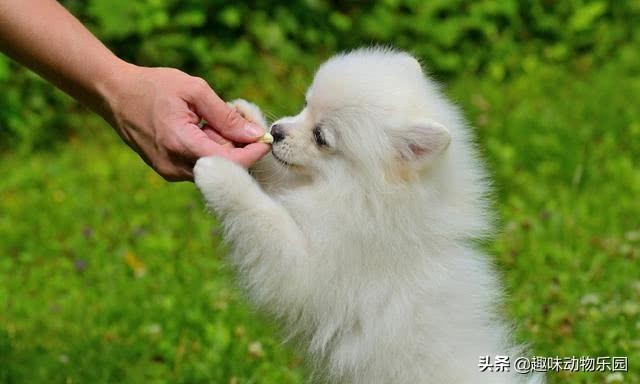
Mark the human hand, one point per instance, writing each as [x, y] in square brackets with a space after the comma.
[157, 112]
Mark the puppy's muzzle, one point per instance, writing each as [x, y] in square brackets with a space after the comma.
[277, 131]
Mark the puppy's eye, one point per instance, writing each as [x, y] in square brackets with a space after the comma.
[319, 137]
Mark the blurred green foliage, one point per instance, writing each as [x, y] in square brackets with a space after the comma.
[266, 50]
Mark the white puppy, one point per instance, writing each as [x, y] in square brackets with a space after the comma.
[356, 230]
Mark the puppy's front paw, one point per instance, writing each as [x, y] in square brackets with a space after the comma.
[250, 112]
[219, 174]
[223, 183]
[211, 171]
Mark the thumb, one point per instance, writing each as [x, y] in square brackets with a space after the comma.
[215, 136]
[223, 118]
[197, 143]
[249, 154]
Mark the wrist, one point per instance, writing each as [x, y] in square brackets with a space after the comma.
[109, 86]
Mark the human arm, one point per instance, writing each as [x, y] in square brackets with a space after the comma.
[155, 110]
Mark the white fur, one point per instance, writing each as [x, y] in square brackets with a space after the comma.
[362, 247]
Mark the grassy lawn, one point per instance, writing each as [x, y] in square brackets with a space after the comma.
[109, 274]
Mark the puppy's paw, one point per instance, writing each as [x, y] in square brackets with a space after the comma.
[210, 171]
[219, 174]
[223, 184]
[250, 112]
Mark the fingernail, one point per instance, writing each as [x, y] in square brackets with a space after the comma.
[253, 130]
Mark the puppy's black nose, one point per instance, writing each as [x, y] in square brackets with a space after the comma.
[277, 132]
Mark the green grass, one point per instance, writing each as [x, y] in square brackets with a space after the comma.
[108, 274]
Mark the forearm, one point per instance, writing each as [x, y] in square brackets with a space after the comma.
[270, 253]
[268, 247]
[44, 36]
[155, 110]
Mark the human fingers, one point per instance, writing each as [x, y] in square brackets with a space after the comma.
[224, 119]
[215, 136]
[249, 154]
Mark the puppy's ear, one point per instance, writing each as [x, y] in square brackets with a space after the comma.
[422, 141]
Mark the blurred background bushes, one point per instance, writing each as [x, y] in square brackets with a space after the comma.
[266, 50]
